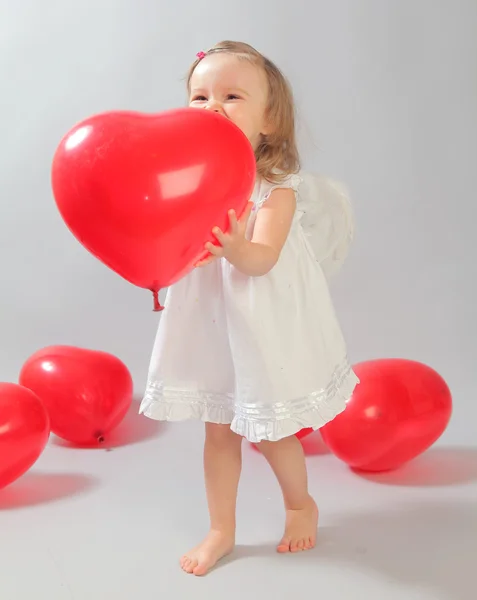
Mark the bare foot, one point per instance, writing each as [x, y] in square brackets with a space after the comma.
[300, 529]
[204, 556]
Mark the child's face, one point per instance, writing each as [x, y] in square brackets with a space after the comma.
[234, 88]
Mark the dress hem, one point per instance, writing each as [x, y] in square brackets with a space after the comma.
[312, 411]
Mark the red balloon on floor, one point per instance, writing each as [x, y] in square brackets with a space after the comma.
[304, 432]
[24, 431]
[87, 393]
[400, 408]
[143, 192]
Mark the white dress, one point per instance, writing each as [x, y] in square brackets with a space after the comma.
[263, 354]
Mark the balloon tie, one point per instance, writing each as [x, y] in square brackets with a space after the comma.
[157, 304]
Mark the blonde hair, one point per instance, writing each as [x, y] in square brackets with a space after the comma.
[277, 154]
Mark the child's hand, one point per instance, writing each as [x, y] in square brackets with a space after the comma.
[232, 242]
[206, 261]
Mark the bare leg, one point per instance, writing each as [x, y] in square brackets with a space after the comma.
[287, 459]
[222, 467]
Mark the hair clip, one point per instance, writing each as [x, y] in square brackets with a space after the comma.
[201, 55]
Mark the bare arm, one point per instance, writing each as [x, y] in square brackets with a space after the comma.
[258, 256]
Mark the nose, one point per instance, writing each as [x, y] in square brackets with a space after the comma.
[214, 106]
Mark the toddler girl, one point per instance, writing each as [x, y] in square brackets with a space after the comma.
[249, 342]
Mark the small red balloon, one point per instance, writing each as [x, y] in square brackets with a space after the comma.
[143, 192]
[304, 432]
[24, 431]
[87, 393]
[400, 408]
[300, 435]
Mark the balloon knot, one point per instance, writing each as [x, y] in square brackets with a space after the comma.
[157, 304]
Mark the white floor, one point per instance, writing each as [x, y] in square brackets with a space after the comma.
[110, 525]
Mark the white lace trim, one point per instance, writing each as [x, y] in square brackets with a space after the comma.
[255, 424]
[291, 182]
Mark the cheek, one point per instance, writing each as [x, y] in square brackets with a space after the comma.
[232, 110]
[238, 115]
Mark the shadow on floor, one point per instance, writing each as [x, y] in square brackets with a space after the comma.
[41, 488]
[135, 428]
[438, 467]
[429, 547]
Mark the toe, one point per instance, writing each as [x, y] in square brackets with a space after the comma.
[192, 566]
[294, 546]
[189, 565]
[201, 569]
[284, 545]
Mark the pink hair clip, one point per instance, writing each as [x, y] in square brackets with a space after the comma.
[201, 55]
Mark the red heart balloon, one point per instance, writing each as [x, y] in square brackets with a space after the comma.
[143, 192]
[87, 393]
[304, 433]
[24, 431]
[400, 408]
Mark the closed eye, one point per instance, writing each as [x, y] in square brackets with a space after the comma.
[233, 97]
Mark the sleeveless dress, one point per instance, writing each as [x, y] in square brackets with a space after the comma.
[263, 354]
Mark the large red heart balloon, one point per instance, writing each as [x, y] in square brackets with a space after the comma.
[143, 192]
[400, 408]
[24, 431]
[87, 393]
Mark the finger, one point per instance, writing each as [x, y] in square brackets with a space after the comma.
[243, 223]
[246, 213]
[233, 222]
[205, 257]
[220, 235]
[216, 251]
[205, 261]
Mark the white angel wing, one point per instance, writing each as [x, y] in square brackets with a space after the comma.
[327, 220]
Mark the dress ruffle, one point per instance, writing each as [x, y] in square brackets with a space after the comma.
[280, 420]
